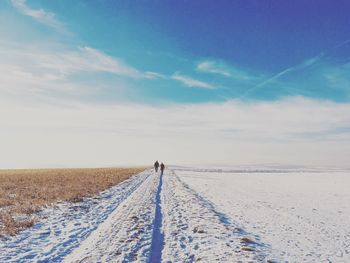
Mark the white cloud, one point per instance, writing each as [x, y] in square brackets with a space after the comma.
[154, 75]
[221, 68]
[291, 131]
[213, 67]
[31, 69]
[67, 61]
[95, 60]
[39, 15]
[190, 82]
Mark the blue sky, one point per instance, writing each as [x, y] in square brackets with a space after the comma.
[199, 50]
[179, 61]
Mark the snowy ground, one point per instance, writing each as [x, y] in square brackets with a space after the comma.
[127, 232]
[302, 216]
[199, 215]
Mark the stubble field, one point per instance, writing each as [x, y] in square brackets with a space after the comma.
[24, 192]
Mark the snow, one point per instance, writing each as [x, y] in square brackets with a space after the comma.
[195, 231]
[127, 232]
[302, 216]
[65, 225]
[206, 214]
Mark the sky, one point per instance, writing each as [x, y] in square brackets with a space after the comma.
[117, 83]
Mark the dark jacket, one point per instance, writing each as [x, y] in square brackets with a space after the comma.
[156, 164]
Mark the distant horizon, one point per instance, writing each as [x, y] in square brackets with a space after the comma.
[272, 166]
[103, 82]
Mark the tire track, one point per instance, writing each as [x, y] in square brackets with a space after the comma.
[64, 226]
[126, 236]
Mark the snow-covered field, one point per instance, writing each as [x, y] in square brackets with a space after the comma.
[199, 214]
[301, 216]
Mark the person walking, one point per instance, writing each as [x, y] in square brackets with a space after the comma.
[156, 165]
[162, 167]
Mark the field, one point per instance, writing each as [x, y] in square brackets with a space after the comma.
[195, 214]
[24, 192]
[301, 215]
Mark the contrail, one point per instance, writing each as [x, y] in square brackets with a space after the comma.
[305, 64]
[341, 44]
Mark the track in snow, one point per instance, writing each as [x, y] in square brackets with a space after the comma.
[64, 226]
[158, 235]
[150, 218]
[165, 221]
[126, 236]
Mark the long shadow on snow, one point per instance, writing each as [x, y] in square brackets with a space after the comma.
[158, 235]
[250, 241]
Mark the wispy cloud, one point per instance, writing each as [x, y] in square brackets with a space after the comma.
[338, 77]
[92, 59]
[224, 69]
[37, 69]
[213, 67]
[154, 75]
[40, 15]
[190, 82]
[66, 62]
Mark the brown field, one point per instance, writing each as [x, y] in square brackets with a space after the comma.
[24, 192]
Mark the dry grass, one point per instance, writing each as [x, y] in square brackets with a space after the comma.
[24, 192]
